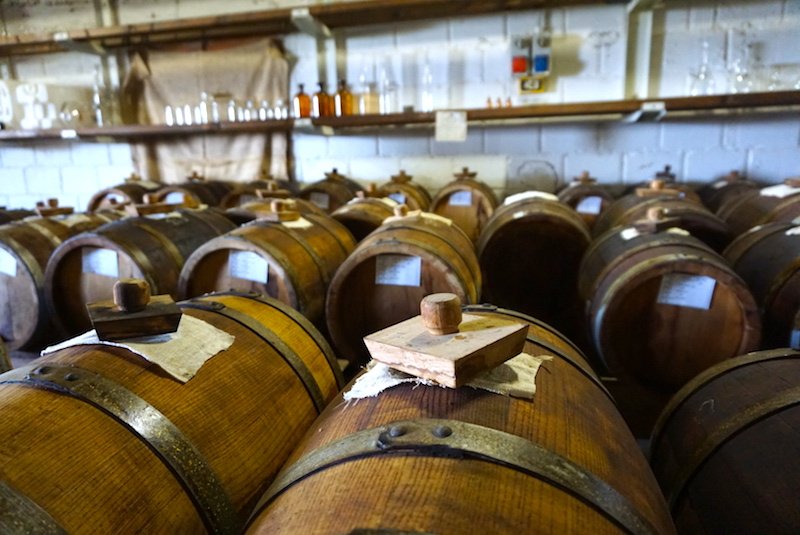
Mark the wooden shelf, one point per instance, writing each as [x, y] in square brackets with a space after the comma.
[266, 23]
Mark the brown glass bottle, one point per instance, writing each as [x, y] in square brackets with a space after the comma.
[343, 100]
[301, 103]
[321, 103]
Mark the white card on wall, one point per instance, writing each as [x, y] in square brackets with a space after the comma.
[684, 290]
[100, 262]
[249, 266]
[321, 199]
[398, 197]
[451, 125]
[590, 205]
[398, 270]
[8, 264]
[460, 198]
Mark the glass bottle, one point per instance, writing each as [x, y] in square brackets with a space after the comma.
[368, 98]
[343, 100]
[320, 102]
[97, 97]
[301, 103]
[426, 88]
[388, 92]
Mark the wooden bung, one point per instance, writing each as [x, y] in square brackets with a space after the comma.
[585, 178]
[401, 177]
[793, 182]
[131, 295]
[441, 313]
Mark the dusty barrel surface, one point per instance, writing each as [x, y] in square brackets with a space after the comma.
[780, 203]
[331, 192]
[25, 248]
[363, 215]
[246, 192]
[655, 298]
[402, 189]
[767, 257]
[724, 448]
[586, 197]
[5, 360]
[529, 252]
[468, 202]
[129, 192]
[84, 268]
[195, 193]
[720, 192]
[293, 261]
[452, 461]
[122, 447]
[383, 281]
[7, 216]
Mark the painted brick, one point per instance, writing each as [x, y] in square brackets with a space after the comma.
[12, 181]
[676, 19]
[766, 132]
[755, 13]
[404, 144]
[91, 154]
[496, 59]
[524, 22]
[492, 170]
[374, 170]
[25, 201]
[625, 137]
[512, 140]
[485, 27]
[542, 172]
[642, 166]
[606, 167]
[701, 18]
[773, 165]
[567, 137]
[473, 145]
[423, 34]
[686, 135]
[310, 145]
[119, 154]
[592, 89]
[311, 170]
[79, 180]
[53, 154]
[109, 175]
[432, 173]
[17, 156]
[595, 18]
[708, 165]
[346, 146]
[43, 180]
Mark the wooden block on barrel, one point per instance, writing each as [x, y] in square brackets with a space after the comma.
[443, 346]
[133, 312]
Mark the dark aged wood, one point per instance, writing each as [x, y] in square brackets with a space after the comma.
[301, 261]
[718, 193]
[334, 189]
[659, 343]
[243, 193]
[724, 450]
[243, 412]
[153, 248]
[571, 416]
[402, 188]
[471, 218]
[582, 188]
[7, 216]
[28, 245]
[129, 192]
[529, 252]
[358, 305]
[752, 209]
[768, 259]
[362, 216]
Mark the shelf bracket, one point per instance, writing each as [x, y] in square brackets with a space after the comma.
[63, 39]
[304, 21]
[652, 111]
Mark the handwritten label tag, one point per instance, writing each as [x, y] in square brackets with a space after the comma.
[683, 290]
[8, 264]
[398, 270]
[460, 198]
[781, 191]
[100, 262]
[590, 205]
[174, 197]
[398, 198]
[249, 266]
[322, 200]
[451, 125]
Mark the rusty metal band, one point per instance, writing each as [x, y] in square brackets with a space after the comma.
[324, 275]
[262, 331]
[706, 377]
[724, 433]
[19, 515]
[427, 437]
[147, 424]
[558, 352]
[301, 322]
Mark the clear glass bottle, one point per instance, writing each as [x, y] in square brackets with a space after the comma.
[97, 97]
[301, 103]
[389, 98]
[426, 88]
[343, 100]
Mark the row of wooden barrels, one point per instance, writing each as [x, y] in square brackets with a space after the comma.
[96, 439]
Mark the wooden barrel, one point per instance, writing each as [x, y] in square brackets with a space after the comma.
[25, 248]
[383, 281]
[780, 203]
[586, 197]
[655, 300]
[331, 192]
[529, 253]
[292, 260]
[767, 257]
[668, 181]
[469, 203]
[724, 450]
[725, 190]
[452, 461]
[5, 360]
[402, 189]
[96, 439]
[362, 215]
[84, 268]
[7, 216]
[132, 191]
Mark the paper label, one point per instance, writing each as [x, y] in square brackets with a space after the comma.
[398, 198]
[691, 291]
[77, 219]
[100, 262]
[322, 200]
[460, 198]
[590, 205]
[174, 197]
[629, 233]
[780, 191]
[793, 231]
[529, 195]
[398, 270]
[298, 223]
[8, 264]
[679, 231]
[249, 266]
[451, 125]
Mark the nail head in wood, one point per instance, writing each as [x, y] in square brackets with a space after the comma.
[441, 313]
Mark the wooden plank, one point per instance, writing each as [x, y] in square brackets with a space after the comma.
[161, 315]
[481, 344]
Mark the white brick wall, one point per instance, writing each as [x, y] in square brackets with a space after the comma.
[469, 57]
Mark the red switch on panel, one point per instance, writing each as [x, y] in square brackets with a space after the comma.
[519, 64]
